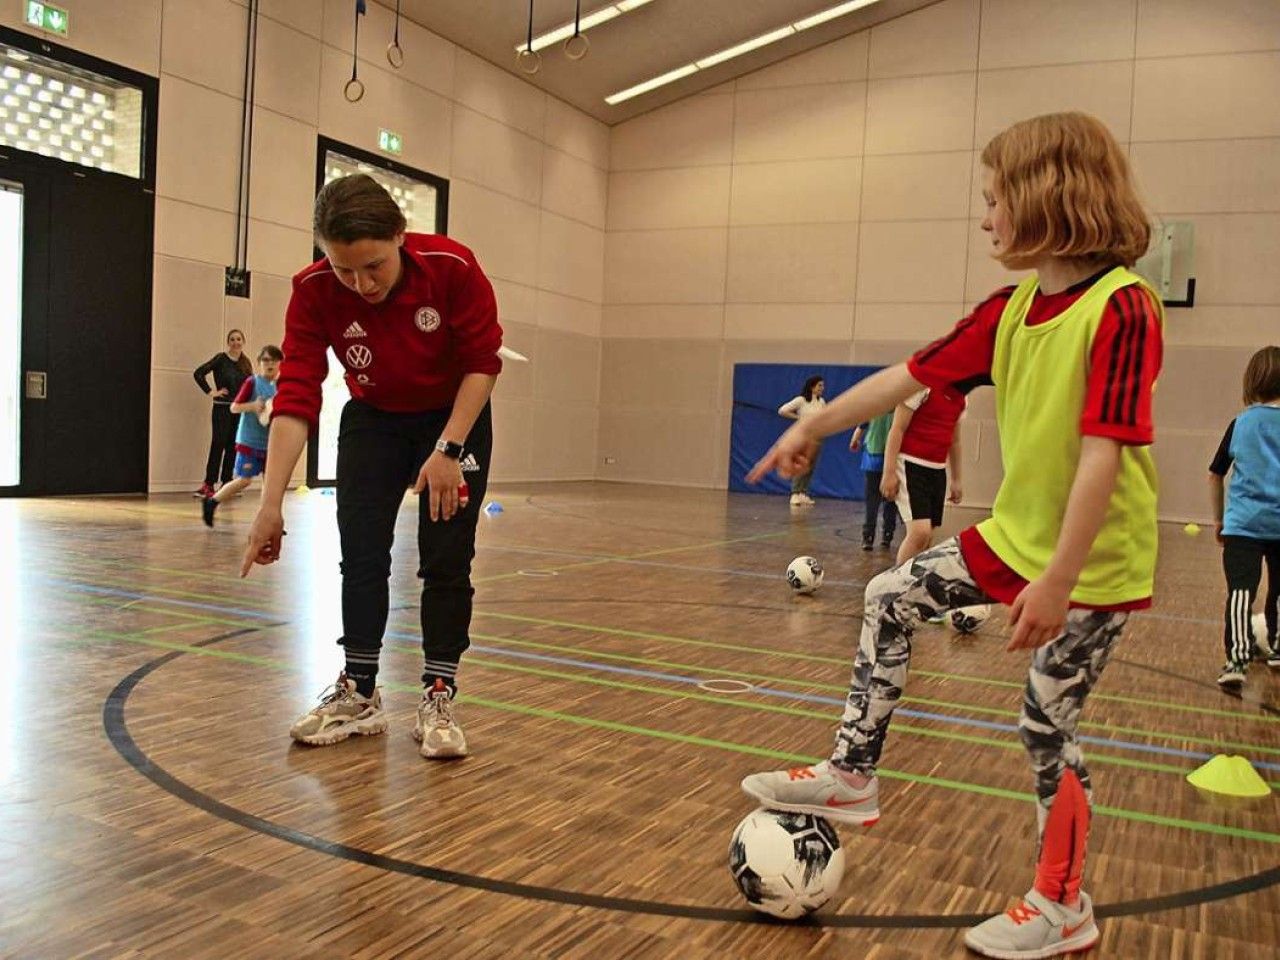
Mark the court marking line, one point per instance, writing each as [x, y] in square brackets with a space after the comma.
[202, 649]
[839, 703]
[904, 728]
[117, 731]
[1145, 614]
[845, 662]
[843, 688]
[908, 712]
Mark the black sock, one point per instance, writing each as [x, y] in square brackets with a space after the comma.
[362, 667]
[365, 683]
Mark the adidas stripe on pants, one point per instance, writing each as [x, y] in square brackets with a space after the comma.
[1242, 563]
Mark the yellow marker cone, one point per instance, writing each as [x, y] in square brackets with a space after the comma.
[303, 488]
[1233, 776]
[1192, 529]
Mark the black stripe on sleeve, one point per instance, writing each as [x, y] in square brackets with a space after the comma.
[1127, 360]
[1113, 367]
[1142, 319]
[924, 356]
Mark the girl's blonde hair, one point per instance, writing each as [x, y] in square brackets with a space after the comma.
[1262, 376]
[1067, 187]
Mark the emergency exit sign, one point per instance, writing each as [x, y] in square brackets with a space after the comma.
[390, 142]
[47, 17]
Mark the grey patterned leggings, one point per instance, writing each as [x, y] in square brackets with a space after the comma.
[1062, 672]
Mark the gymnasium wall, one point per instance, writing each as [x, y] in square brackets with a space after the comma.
[825, 209]
[528, 180]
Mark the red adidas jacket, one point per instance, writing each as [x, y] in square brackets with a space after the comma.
[404, 355]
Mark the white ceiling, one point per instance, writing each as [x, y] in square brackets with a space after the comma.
[644, 43]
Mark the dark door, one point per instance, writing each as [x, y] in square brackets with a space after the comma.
[86, 328]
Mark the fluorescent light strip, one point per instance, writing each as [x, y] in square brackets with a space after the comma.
[740, 49]
[593, 19]
[735, 51]
[837, 11]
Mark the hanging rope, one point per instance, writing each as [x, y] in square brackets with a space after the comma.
[576, 47]
[354, 89]
[395, 55]
[528, 59]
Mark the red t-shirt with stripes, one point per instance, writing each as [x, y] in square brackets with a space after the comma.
[1124, 361]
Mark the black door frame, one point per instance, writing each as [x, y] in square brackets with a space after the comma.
[25, 167]
[441, 185]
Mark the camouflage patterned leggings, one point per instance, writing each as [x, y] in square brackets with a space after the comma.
[1062, 672]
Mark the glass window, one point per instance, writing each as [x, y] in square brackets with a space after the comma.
[56, 110]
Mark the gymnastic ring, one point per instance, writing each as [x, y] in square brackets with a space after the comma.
[576, 47]
[356, 85]
[528, 60]
[395, 55]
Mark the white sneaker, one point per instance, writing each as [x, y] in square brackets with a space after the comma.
[341, 712]
[436, 728]
[1232, 675]
[797, 500]
[816, 790]
[1034, 929]
[807, 500]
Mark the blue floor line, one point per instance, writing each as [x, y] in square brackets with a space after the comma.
[655, 675]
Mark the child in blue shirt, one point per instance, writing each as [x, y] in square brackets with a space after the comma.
[254, 401]
[1249, 528]
[870, 438]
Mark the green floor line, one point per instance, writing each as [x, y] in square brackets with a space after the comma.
[846, 662]
[138, 606]
[1132, 731]
[1119, 813]
[899, 726]
[779, 683]
[582, 564]
[666, 638]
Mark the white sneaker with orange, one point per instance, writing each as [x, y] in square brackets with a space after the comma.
[1037, 927]
[819, 790]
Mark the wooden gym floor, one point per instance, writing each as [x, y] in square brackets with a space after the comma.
[151, 804]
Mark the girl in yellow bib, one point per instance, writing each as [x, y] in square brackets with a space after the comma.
[1073, 352]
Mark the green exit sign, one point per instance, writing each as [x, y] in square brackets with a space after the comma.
[390, 142]
[45, 16]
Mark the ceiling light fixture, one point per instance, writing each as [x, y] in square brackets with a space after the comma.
[593, 19]
[773, 36]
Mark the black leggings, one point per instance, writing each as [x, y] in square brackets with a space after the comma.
[379, 455]
[222, 444]
[1242, 562]
[874, 501]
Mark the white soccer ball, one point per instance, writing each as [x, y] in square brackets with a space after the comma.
[786, 864]
[969, 619]
[804, 574]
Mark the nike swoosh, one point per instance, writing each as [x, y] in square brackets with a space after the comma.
[1069, 931]
[833, 802]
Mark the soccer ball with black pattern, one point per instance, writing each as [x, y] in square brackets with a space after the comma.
[786, 864]
[969, 619]
[804, 574]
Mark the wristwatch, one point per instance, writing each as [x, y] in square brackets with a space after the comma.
[450, 449]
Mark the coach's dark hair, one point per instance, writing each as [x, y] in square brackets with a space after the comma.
[356, 208]
[1262, 376]
[270, 352]
[810, 384]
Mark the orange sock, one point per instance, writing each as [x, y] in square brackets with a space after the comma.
[1066, 831]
